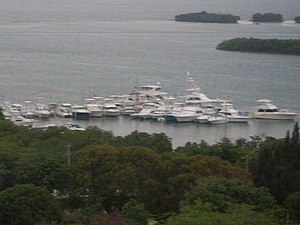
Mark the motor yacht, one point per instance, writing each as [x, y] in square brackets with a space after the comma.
[146, 112]
[110, 109]
[233, 115]
[95, 109]
[64, 110]
[80, 112]
[188, 114]
[217, 119]
[265, 109]
[20, 120]
[72, 126]
[42, 112]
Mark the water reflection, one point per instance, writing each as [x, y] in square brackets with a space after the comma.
[181, 133]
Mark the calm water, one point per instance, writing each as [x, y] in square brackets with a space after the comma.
[63, 50]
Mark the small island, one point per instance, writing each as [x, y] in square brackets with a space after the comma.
[261, 45]
[297, 19]
[267, 18]
[206, 17]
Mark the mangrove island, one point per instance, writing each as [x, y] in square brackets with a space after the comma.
[267, 17]
[261, 45]
[206, 17]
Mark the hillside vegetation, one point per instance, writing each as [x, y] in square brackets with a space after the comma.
[129, 180]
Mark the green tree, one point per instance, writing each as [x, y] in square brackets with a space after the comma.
[224, 201]
[203, 213]
[292, 203]
[278, 166]
[113, 175]
[222, 192]
[159, 142]
[135, 211]
[28, 204]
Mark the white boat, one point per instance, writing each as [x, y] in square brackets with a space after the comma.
[217, 119]
[203, 119]
[72, 126]
[20, 120]
[265, 109]
[146, 112]
[188, 114]
[28, 110]
[195, 96]
[80, 112]
[41, 111]
[64, 110]
[148, 93]
[110, 109]
[169, 116]
[95, 109]
[143, 114]
[233, 115]
[127, 110]
[158, 114]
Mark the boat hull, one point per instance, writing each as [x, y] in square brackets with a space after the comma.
[275, 116]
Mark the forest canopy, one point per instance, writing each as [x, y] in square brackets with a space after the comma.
[132, 179]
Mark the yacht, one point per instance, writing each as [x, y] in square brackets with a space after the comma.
[110, 109]
[148, 93]
[146, 112]
[20, 120]
[169, 116]
[64, 110]
[72, 126]
[265, 109]
[195, 96]
[233, 115]
[42, 111]
[217, 119]
[94, 108]
[80, 112]
[188, 114]
[127, 110]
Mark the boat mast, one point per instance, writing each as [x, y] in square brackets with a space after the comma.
[194, 85]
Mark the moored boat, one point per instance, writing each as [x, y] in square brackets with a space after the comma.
[265, 109]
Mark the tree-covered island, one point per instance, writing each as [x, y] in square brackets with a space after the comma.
[267, 17]
[261, 45]
[205, 17]
[297, 19]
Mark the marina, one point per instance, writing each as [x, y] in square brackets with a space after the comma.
[150, 109]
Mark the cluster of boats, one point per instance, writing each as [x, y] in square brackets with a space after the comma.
[149, 102]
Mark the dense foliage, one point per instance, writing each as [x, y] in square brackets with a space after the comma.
[206, 17]
[297, 19]
[27, 204]
[267, 17]
[261, 45]
[226, 201]
[125, 180]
